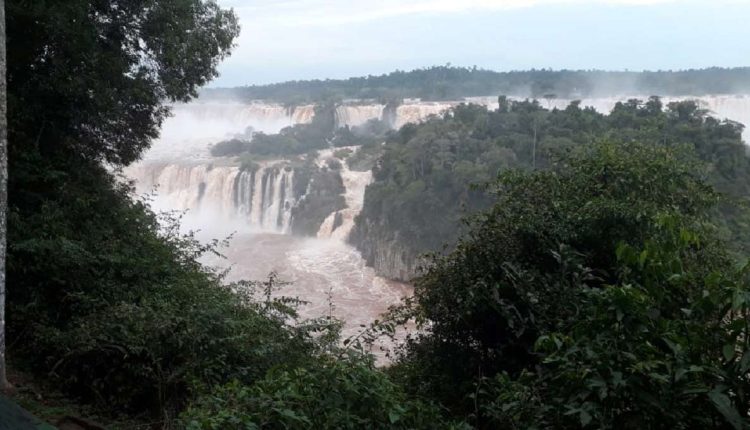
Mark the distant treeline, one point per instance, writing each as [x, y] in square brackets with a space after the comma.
[451, 83]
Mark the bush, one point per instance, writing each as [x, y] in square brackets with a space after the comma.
[343, 153]
[230, 148]
[365, 157]
[275, 144]
[664, 347]
[332, 395]
[600, 285]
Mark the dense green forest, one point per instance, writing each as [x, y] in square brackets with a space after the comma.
[595, 294]
[455, 83]
[423, 183]
[598, 288]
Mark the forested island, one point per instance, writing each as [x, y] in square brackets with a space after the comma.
[594, 273]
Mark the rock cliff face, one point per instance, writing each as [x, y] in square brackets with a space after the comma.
[323, 197]
[383, 250]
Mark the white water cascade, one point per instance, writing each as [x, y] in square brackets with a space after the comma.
[356, 115]
[354, 197]
[194, 127]
[180, 166]
[259, 200]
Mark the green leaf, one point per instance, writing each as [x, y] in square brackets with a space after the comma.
[738, 300]
[393, 416]
[642, 257]
[724, 405]
[728, 351]
[585, 418]
[745, 362]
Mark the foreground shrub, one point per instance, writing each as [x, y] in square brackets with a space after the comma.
[119, 311]
[595, 294]
[337, 394]
[664, 347]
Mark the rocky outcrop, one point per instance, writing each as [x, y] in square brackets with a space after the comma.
[323, 197]
[390, 256]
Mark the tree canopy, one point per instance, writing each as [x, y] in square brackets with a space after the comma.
[91, 77]
[423, 182]
[594, 294]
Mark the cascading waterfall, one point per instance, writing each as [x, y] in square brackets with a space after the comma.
[339, 224]
[356, 115]
[302, 114]
[261, 199]
[414, 112]
[264, 198]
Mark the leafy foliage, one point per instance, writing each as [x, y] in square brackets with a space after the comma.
[339, 394]
[592, 294]
[663, 348]
[118, 309]
[114, 308]
[90, 77]
[231, 147]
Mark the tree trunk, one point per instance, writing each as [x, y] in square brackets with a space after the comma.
[533, 147]
[4, 385]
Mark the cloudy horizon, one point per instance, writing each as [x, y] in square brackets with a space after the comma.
[318, 39]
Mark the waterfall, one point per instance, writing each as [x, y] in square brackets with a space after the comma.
[355, 115]
[192, 128]
[181, 139]
[256, 201]
[260, 200]
[302, 114]
[271, 214]
[413, 112]
[339, 224]
[180, 165]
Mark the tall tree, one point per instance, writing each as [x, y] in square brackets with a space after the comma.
[89, 83]
[3, 193]
[91, 77]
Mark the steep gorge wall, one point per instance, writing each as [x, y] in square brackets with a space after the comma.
[385, 251]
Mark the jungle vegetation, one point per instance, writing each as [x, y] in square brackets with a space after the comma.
[432, 174]
[597, 286]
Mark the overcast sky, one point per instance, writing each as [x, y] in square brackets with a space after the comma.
[304, 39]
